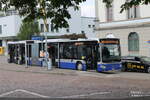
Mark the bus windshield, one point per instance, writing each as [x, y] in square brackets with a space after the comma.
[111, 53]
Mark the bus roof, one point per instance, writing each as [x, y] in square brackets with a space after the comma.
[16, 42]
[56, 40]
[68, 40]
[21, 42]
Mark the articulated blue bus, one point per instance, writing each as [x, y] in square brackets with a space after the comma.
[86, 54]
[83, 54]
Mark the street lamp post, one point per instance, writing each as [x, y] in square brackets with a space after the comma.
[46, 56]
[48, 62]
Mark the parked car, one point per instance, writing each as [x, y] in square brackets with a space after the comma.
[136, 63]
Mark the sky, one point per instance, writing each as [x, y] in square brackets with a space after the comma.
[88, 9]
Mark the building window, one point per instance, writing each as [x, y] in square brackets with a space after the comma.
[133, 42]
[11, 12]
[0, 29]
[42, 27]
[89, 26]
[57, 30]
[52, 28]
[133, 12]
[47, 26]
[93, 26]
[82, 32]
[67, 30]
[109, 12]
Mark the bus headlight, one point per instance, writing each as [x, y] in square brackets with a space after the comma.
[103, 67]
[83, 57]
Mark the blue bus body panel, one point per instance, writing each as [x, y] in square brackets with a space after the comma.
[69, 65]
[84, 67]
[35, 63]
[39, 63]
[109, 67]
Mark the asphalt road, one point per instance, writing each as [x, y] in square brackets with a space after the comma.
[35, 82]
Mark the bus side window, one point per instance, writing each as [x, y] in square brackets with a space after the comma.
[41, 51]
[74, 52]
[67, 52]
[81, 51]
[56, 50]
[98, 53]
[89, 52]
[61, 51]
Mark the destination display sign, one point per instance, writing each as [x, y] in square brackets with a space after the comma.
[79, 43]
[109, 41]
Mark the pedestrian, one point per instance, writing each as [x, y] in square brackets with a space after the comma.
[48, 61]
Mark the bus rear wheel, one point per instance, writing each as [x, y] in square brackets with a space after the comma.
[79, 66]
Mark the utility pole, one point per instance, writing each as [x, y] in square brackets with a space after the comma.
[46, 51]
[43, 9]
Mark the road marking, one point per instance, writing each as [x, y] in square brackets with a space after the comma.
[99, 75]
[110, 76]
[25, 91]
[33, 93]
[43, 96]
[83, 95]
[7, 93]
[138, 94]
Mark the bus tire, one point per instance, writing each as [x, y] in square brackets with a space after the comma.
[79, 66]
[148, 70]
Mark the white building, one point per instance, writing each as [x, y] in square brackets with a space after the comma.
[132, 26]
[77, 24]
[10, 24]
[9, 27]
[74, 24]
[88, 26]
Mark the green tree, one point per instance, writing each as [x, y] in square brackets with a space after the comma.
[56, 10]
[28, 29]
[132, 3]
[128, 4]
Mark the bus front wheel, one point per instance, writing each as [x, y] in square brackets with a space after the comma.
[79, 66]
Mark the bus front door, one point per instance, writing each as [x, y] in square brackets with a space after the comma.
[91, 58]
[52, 53]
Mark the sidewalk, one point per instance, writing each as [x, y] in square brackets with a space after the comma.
[56, 71]
[43, 70]
[32, 69]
